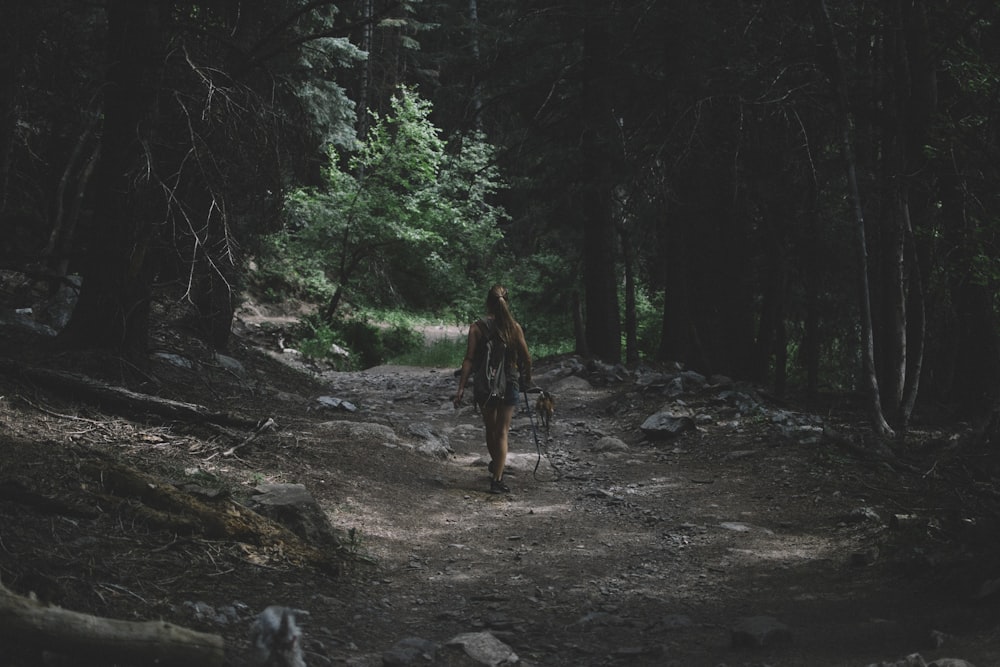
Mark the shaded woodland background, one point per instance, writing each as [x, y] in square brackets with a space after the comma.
[800, 194]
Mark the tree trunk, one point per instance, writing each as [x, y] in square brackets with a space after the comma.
[772, 297]
[12, 47]
[333, 304]
[599, 279]
[367, 31]
[477, 86]
[87, 389]
[676, 339]
[114, 305]
[811, 325]
[216, 281]
[579, 328]
[891, 327]
[917, 324]
[631, 318]
[834, 67]
[780, 357]
[911, 92]
[215, 300]
[920, 107]
[27, 622]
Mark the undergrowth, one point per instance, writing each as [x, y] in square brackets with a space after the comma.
[371, 338]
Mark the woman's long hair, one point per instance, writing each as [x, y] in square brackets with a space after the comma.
[498, 305]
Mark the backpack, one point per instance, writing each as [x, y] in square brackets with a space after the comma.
[490, 380]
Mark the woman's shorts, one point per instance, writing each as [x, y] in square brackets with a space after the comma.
[511, 396]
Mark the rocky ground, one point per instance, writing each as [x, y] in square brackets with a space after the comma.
[734, 529]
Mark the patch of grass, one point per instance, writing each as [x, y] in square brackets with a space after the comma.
[409, 319]
[449, 352]
[541, 350]
[395, 341]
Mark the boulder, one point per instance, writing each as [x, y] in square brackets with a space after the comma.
[294, 507]
[479, 648]
[759, 632]
[666, 425]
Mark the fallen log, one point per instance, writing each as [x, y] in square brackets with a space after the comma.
[170, 508]
[87, 388]
[28, 623]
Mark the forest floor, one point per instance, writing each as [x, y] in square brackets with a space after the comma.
[612, 548]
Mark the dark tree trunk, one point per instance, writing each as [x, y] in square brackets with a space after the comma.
[676, 339]
[367, 13]
[770, 329]
[113, 311]
[910, 99]
[13, 38]
[977, 353]
[333, 304]
[770, 321]
[966, 371]
[831, 59]
[917, 327]
[811, 326]
[920, 107]
[781, 357]
[631, 318]
[215, 299]
[477, 85]
[599, 279]
[579, 329]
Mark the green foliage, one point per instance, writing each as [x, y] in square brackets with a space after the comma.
[282, 273]
[313, 74]
[315, 338]
[364, 340]
[369, 344]
[397, 340]
[404, 211]
[649, 321]
[543, 286]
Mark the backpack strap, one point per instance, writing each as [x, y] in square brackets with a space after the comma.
[491, 331]
[486, 331]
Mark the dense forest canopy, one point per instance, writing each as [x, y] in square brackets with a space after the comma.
[795, 193]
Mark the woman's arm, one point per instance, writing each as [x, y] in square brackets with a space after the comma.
[524, 358]
[470, 355]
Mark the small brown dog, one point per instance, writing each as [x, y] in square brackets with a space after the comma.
[545, 406]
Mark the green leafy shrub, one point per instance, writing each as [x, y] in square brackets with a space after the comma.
[399, 220]
[364, 340]
[400, 339]
[315, 338]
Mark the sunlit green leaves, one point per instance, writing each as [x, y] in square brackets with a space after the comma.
[408, 211]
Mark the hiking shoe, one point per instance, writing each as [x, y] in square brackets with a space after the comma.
[491, 465]
[497, 486]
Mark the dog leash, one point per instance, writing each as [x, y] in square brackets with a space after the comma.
[538, 444]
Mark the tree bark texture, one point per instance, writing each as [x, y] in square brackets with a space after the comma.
[631, 317]
[27, 622]
[834, 69]
[599, 277]
[114, 306]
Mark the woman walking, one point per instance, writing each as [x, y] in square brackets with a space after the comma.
[500, 327]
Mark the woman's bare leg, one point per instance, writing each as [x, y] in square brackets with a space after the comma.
[497, 422]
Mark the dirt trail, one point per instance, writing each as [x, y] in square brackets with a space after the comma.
[619, 550]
